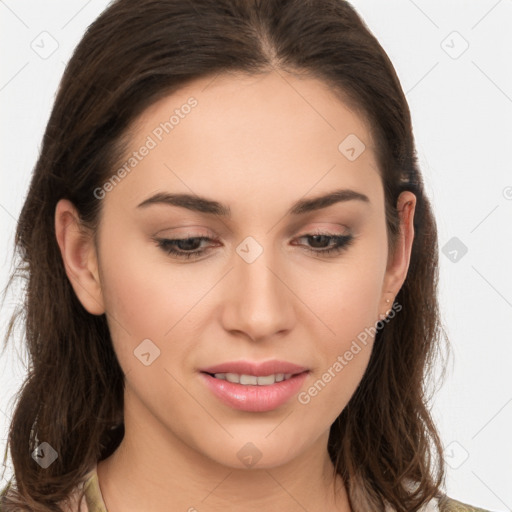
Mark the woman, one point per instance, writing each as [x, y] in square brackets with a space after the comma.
[232, 271]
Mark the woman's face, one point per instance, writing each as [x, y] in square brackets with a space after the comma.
[262, 289]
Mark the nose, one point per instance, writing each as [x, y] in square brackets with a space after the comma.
[259, 302]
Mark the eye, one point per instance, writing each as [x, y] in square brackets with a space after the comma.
[186, 248]
[335, 243]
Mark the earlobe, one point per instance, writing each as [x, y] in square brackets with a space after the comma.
[79, 257]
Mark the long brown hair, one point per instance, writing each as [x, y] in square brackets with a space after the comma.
[135, 53]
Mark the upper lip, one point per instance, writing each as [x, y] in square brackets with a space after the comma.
[255, 368]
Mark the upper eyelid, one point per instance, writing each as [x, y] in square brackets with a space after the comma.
[342, 242]
[209, 233]
[214, 238]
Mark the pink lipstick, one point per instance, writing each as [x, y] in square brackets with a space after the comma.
[254, 387]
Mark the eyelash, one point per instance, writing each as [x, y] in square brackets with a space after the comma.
[167, 245]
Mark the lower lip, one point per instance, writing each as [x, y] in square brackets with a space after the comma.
[255, 398]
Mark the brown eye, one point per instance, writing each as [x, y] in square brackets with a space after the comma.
[341, 242]
[183, 247]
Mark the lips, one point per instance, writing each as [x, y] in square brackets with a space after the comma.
[254, 398]
[254, 368]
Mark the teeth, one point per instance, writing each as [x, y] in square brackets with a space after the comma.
[249, 379]
[252, 380]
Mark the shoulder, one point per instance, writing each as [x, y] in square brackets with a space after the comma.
[447, 504]
[86, 497]
[443, 503]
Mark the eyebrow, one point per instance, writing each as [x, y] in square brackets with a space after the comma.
[209, 206]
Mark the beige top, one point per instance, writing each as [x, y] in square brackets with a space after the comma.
[94, 500]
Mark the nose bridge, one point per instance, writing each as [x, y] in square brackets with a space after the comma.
[256, 269]
[259, 300]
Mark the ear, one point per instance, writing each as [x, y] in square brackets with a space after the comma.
[79, 256]
[398, 262]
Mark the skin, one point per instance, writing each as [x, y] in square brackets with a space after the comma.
[257, 144]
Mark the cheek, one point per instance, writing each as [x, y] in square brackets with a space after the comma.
[145, 297]
[346, 301]
[346, 297]
[145, 288]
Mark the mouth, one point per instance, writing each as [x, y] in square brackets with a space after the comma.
[247, 370]
[254, 393]
[253, 380]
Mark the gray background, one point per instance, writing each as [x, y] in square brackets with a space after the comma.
[454, 60]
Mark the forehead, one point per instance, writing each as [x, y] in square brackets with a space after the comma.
[252, 108]
[238, 137]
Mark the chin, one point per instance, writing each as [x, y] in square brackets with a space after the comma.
[257, 453]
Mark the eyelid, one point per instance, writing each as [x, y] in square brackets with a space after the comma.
[323, 229]
[314, 230]
[341, 244]
[182, 232]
